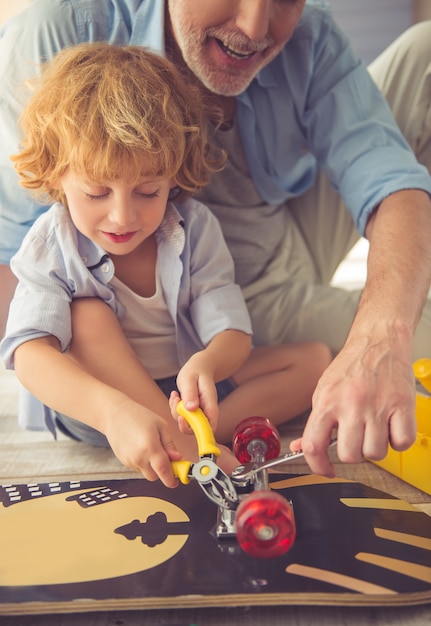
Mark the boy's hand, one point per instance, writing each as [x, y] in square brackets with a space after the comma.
[141, 440]
[227, 460]
[196, 383]
[184, 427]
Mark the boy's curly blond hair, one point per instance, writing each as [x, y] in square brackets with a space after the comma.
[111, 112]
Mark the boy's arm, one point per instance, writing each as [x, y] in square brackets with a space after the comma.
[223, 355]
[139, 437]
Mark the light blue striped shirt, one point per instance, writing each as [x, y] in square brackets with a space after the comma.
[57, 264]
[313, 105]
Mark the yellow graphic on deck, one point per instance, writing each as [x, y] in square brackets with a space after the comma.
[73, 544]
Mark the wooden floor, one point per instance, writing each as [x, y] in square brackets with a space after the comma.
[30, 457]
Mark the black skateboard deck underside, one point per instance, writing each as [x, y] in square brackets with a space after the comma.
[133, 544]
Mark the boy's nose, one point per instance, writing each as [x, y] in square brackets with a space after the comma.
[122, 213]
[253, 18]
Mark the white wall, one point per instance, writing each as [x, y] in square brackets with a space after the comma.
[10, 7]
[422, 10]
[373, 24]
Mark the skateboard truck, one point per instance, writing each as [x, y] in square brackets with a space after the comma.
[259, 519]
[253, 468]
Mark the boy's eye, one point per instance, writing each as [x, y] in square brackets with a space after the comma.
[154, 194]
[105, 194]
[98, 197]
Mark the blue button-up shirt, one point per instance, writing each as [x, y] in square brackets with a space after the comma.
[314, 105]
[57, 264]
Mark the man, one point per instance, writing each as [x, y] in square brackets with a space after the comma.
[296, 103]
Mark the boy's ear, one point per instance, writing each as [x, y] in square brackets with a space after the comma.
[55, 184]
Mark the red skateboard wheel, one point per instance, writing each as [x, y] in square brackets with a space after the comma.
[265, 525]
[252, 429]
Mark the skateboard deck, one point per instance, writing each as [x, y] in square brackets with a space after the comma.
[133, 544]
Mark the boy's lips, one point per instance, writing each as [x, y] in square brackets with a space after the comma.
[119, 237]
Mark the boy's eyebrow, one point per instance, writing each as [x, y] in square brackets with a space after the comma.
[106, 183]
[92, 183]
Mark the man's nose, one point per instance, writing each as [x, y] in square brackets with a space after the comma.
[253, 18]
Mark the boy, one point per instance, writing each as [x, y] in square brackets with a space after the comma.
[126, 287]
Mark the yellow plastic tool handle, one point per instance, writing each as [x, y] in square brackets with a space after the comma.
[422, 371]
[201, 427]
[203, 432]
[181, 470]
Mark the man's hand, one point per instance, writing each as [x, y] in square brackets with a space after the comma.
[368, 394]
[368, 391]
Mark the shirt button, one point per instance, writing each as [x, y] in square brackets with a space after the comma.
[105, 268]
[84, 259]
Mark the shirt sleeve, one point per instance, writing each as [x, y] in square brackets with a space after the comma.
[316, 106]
[41, 304]
[217, 302]
[352, 132]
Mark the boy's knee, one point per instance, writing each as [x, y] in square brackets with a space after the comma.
[320, 356]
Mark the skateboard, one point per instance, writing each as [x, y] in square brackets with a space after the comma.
[128, 544]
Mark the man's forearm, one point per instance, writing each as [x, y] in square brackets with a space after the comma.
[399, 260]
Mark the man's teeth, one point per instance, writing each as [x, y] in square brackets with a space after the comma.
[236, 54]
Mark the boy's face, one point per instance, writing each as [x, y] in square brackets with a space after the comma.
[226, 42]
[118, 216]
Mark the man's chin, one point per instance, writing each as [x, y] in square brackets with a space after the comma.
[225, 84]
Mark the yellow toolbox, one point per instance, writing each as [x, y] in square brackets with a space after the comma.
[414, 465]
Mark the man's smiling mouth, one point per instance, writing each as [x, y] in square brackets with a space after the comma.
[236, 54]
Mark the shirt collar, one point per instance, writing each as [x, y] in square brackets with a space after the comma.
[172, 228]
[91, 253]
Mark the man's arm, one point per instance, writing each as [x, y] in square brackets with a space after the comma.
[368, 391]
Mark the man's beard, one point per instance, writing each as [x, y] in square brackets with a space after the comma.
[223, 80]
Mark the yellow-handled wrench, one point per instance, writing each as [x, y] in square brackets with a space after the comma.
[203, 432]
[216, 483]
